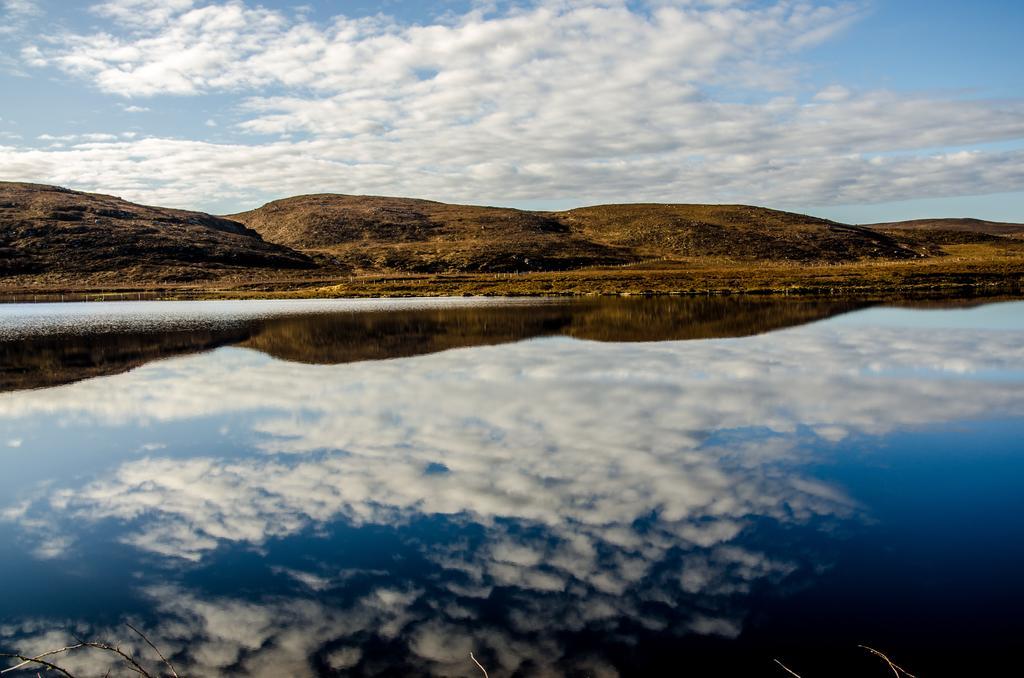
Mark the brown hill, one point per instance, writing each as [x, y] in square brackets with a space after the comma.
[370, 234]
[374, 233]
[736, 231]
[962, 225]
[56, 239]
[62, 234]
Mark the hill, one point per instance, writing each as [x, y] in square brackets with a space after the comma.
[372, 234]
[57, 241]
[962, 225]
[367, 233]
[65, 235]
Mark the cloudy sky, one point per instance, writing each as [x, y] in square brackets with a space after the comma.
[859, 110]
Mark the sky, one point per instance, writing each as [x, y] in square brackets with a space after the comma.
[857, 110]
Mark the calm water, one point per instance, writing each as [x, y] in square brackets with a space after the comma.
[601, 488]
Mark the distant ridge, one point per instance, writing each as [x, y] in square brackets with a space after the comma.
[62, 240]
[369, 233]
[966, 225]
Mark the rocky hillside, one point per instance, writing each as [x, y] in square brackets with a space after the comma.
[67, 235]
[367, 234]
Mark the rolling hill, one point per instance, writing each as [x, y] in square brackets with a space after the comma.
[73, 236]
[57, 240]
[367, 234]
[963, 225]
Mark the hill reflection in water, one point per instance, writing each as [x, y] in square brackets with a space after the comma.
[50, 357]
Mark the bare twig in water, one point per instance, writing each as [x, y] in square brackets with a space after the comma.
[127, 658]
[479, 665]
[898, 670]
[787, 669]
[25, 661]
[116, 649]
[160, 654]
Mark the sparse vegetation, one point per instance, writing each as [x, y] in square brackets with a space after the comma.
[67, 239]
[369, 235]
[961, 225]
[57, 241]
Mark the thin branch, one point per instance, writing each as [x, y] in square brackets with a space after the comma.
[35, 660]
[132, 664]
[896, 669]
[160, 654]
[116, 649]
[479, 665]
[37, 657]
[787, 669]
[127, 658]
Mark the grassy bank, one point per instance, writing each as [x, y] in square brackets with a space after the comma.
[970, 269]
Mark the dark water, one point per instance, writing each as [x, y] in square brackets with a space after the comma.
[598, 488]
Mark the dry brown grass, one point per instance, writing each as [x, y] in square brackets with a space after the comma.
[962, 225]
[58, 241]
[56, 234]
[977, 268]
[373, 235]
[971, 269]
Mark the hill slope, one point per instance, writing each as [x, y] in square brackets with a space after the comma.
[375, 233]
[56, 240]
[736, 231]
[65, 234]
[964, 225]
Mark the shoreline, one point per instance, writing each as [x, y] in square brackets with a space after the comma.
[934, 278]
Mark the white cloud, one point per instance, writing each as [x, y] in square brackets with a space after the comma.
[15, 19]
[89, 137]
[14, 14]
[833, 93]
[550, 100]
[142, 13]
[183, 173]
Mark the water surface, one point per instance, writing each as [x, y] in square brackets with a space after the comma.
[600, 488]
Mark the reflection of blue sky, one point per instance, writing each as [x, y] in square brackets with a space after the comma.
[1007, 316]
[582, 483]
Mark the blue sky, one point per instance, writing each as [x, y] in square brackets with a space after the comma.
[860, 110]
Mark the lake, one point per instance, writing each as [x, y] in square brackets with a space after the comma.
[599, 487]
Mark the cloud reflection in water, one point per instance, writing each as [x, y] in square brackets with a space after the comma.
[596, 487]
